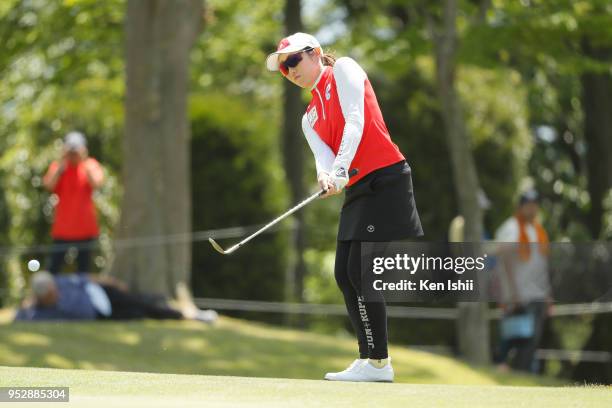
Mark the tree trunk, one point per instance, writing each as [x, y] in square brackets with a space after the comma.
[157, 197]
[597, 106]
[293, 156]
[472, 325]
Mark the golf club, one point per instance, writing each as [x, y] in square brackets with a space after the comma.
[308, 200]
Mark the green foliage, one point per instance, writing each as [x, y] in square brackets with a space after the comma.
[62, 66]
[230, 54]
[62, 70]
[551, 44]
[541, 34]
[236, 181]
[237, 178]
[320, 285]
[496, 121]
[546, 45]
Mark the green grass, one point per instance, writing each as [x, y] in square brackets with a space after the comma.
[105, 389]
[170, 363]
[232, 347]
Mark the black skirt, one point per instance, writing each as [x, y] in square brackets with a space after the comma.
[380, 207]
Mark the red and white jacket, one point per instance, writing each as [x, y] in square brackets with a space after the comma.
[344, 126]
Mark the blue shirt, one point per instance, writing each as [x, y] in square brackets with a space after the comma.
[73, 302]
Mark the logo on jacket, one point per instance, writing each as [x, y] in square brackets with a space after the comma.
[341, 172]
[312, 116]
[328, 92]
[371, 228]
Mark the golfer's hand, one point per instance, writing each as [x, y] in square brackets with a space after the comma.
[339, 176]
[326, 183]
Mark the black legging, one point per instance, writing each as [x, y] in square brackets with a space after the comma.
[369, 319]
[128, 306]
[59, 249]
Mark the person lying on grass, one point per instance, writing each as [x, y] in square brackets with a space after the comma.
[91, 297]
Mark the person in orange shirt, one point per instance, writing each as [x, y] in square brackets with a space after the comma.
[73, 179]
[525, 285]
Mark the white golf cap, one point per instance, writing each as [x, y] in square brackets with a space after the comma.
[293, 43]
[41, 282]
[74, 141]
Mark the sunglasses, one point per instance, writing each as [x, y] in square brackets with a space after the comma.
[291, 62]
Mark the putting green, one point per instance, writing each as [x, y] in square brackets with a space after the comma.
[90, 388]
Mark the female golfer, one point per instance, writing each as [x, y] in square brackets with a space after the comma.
[346, 132]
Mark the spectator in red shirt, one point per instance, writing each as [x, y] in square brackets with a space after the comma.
[73, 179]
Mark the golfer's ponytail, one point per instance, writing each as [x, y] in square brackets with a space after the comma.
[328, 59]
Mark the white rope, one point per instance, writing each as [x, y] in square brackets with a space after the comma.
[541, 354]
[412, 312]
[574, 355]
[196, 236]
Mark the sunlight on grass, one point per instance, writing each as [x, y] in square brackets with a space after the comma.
[29, 339]
[55, 360]
[90, 365]
[430, 368]
[231, 347]
[128, 338]
[6, 315]
[194, 344]
[9, 356]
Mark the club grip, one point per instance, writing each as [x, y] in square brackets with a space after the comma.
[352, 173]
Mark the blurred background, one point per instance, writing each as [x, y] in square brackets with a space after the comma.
[198, 140]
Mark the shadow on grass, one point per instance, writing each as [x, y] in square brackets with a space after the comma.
[232, 347]
[168, 347]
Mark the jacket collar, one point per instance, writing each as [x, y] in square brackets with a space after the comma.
[321, 79]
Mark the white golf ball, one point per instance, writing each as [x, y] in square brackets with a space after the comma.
[33, 265]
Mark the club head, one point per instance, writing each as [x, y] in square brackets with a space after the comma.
[216, 246]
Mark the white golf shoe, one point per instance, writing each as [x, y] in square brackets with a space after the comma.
[363, 371]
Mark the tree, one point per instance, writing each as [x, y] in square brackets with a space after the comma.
[472, 324]
[597, 102]
[293, 159]
[157, 198]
